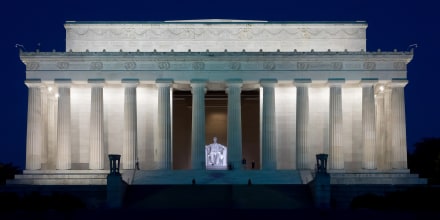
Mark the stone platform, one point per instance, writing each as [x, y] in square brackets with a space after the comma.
[210, 177]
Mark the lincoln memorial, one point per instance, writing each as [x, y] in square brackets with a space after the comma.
[273, 95]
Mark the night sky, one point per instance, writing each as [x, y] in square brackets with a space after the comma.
[392, 24]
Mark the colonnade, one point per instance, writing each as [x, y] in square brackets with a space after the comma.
[34, 143]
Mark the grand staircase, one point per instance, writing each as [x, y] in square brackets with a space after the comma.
[239, 177]
[218, 197]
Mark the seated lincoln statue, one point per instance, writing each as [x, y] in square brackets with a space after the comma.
[216, 156]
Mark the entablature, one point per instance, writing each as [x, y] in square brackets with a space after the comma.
[216, 66]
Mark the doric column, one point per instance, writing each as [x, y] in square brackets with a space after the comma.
[381, 122]
[336, 157]
[234, 122]
[388, 127]
[96, 151]
[164, 124]
[302, 124]
[63, 125]
[52, 120]
[130, 124]
[268, 126]
[198, 124]
[34, 137]
[399, 156]
[44, 129]
[368, 124]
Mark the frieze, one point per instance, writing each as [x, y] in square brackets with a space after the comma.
[63, 65]
[198, 65]
[337, 65]
[130, 65]
[163, 65]
[32, 66]
[235, 65]
[142, 33]
[353, 66]
[96, 66]
[399, 65]
[269, 65]
[369, 65]
[302, 66]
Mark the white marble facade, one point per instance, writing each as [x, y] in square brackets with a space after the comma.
[320, 92]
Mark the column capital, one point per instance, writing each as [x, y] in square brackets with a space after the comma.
[367, 82]
[302, 82]
[398, 83]
[268, 82]
[96, 82]
[198, 82]
[63, 82]
[130, 82]
[335, 82]
[33, 82]
[234, 82]
[164, 82]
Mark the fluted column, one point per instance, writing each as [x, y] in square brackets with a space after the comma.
[130, 124]
[388, 128]
[44, 129]
[198, 124]
[268, 126]
[34, 137]
[399, 154]
[302, 124]
[52, 115]
[164, 124]
[63, 126]
[368, 125]
[96, 151]
[234, 122]
[336, 156]
[381, 122]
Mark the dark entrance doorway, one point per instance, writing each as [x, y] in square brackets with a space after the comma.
[216, 103]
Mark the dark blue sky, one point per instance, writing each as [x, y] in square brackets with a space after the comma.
[393, 24]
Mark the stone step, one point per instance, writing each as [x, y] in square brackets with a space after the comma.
[61, 176]
[377, 178]
[219, 196]
[90, 181]
[216, 177]
[67, 171]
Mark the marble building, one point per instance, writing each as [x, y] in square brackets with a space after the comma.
[274, 93]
